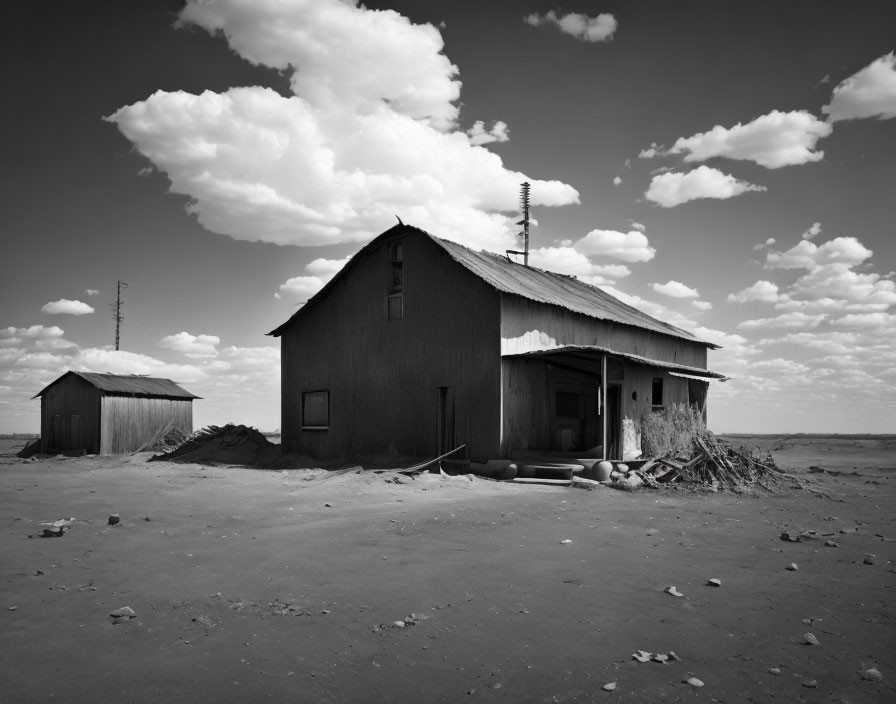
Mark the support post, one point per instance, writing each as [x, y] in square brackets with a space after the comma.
[603, 410]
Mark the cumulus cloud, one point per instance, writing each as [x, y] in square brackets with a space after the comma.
[194, 346]
[807, 255]
[774, 140]
[479, 135]
[638, 226]
[866, 320]
[567, 260]
[589, 29]
[675, 289]
[626, 246]
[370, 130]
[763, 245]
[34, 332]
[674, 188]
[812, 232]
[91, 292]
[66, 307]
[653, 150]
[304, 287]
[702, 305]
[869, 93]
[763, 290]
[785, 320]
[616, 180]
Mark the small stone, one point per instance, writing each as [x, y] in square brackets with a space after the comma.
[872, 673]
[565, 542]
[811, 684]
[792, 567]
[694, 682]
[673, 656]
[398, 624]
[830, 544]
[114, 519]
[673, 591]
[775, 670]
[660, 657]
[870, 559]
[810, 639]
[790, 537]
[124, 612]
[642, 656]
[328, 506]
[715, 582]
[609, 686]
[11, 608]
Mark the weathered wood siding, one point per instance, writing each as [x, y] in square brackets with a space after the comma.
[383, 376]
[70, 397]
[528, 326]
[130, 421]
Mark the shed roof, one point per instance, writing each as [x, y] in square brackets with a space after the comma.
[127, 385]
[534, 284]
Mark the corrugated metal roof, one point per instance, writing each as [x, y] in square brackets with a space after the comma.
[585, 357]
[534, 284]
[128, 385]
[555, 289]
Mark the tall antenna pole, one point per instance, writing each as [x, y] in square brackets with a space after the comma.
[118, 316]
[524, 207]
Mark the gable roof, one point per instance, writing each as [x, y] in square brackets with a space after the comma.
[127, 385]
[534, 284]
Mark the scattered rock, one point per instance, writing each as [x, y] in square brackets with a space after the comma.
[660, 657]
[673, 656]
[792, 567]
[673, 591]
[565, 542]
[609, 686]
[810, 639]
[125, 613]
[642, 656]
[790, 537]
[831, 544]
[870, 559]
[328, 506]
[775, 670]
[811, 684]
[714, 582]
[872, 673]
[11, 608]
[114, 519]
[694, 682]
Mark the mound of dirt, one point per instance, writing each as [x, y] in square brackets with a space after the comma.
[230, 444]
[32, 447]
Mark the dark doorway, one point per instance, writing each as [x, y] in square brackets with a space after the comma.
[445, 440]
[614, 422]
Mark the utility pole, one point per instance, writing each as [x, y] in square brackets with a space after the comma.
[524, 235]
[118, 316]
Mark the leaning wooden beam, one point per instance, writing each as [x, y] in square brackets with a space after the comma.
[167, 428]
[423, 465]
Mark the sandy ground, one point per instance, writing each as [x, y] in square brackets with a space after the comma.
[285, 586]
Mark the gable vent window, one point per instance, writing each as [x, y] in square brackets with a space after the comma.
[396, 300]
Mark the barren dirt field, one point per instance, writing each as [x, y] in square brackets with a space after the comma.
[314, 586]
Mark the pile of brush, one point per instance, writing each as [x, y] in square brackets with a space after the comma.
[714, 464]
[231, 444]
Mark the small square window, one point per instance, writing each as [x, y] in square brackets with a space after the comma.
[315, 410]
[395, 252]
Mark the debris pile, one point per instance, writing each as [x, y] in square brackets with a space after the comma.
[32, 447]
[229, 444]
[712, 464]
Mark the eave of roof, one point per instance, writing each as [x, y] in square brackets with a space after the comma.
[584, 355]
[531, 283]
[128, 385]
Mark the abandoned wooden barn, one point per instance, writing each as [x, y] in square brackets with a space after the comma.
[419, 345]
[110, 413]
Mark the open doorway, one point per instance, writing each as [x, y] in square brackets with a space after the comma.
[613, 409]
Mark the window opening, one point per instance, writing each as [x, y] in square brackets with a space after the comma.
[316, 410]
[396, 302]
[656, 394]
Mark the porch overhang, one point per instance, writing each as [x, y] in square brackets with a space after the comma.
[587, 358]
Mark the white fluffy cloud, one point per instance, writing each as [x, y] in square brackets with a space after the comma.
[807, 255]
[674, 188]
[869, 93]
[370, 131]
[813, 231]
[301, 288]
[589, 29]
[675, 289]
[480, 135]
[763, 245]
[638, 226]
[626, 246]
[866, 320]
[91, 292]
[13, 335]
[194, 346]
[760, 291]
[66, 307]
[616, 180]
[702, 305]
[785, 320]
[567, 260]
[774, 140]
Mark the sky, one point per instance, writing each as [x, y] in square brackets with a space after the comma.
[725, 167]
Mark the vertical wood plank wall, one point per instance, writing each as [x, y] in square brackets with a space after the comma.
[521, 319]
[128, 421]
[71, 396]
[383, 376]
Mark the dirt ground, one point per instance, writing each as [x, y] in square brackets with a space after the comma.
[252, 585]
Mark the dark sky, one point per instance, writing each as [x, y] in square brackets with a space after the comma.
[82, 207]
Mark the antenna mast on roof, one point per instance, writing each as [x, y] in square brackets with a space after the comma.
[524, 207]
[118, 316]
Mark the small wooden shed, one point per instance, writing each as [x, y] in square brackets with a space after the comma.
[110, 413]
